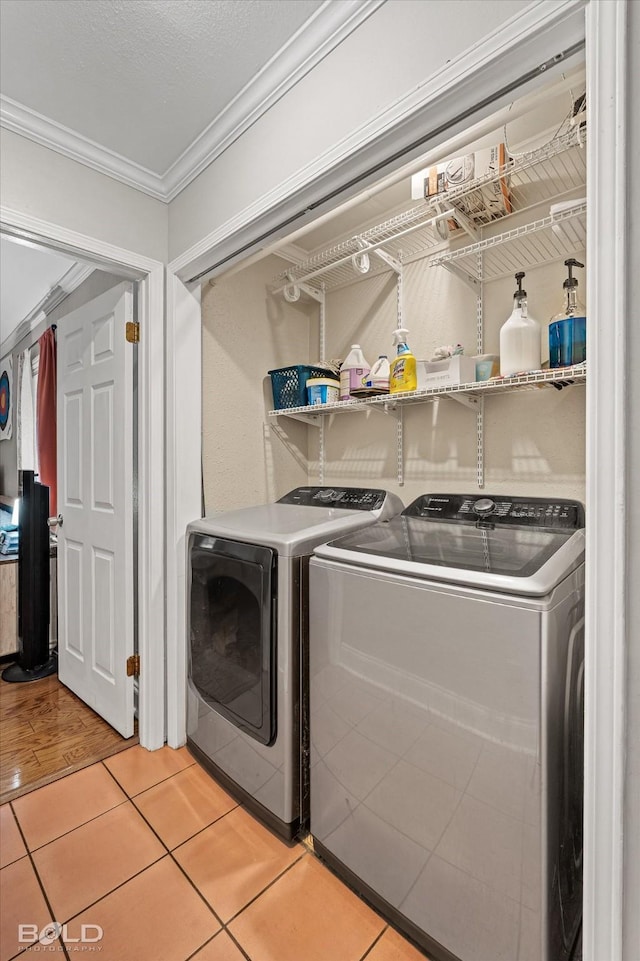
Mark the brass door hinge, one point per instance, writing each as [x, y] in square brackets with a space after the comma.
[133, 332]
[133, 666]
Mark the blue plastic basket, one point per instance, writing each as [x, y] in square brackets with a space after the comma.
[289, 385]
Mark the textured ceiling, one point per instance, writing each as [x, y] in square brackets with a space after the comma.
[142, 78]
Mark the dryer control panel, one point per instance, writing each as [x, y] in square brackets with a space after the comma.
[498, 509]
[348, 498]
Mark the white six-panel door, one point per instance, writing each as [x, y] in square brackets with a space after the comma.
[95, 499]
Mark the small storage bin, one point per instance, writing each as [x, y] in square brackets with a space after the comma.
[446, 373]
[322, 390]
[487, 366]
[289, 385]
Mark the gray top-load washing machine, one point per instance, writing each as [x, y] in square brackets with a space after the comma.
[247, 612]
[446, 698]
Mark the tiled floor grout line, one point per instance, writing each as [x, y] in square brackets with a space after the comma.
[373, 943]
[269, 885]
[41, 885]
[71, 830]
[167, 849]
[224, 926]
[182, 843]
[128, 799]
[161, 781]
[222, 930]
[87, 907]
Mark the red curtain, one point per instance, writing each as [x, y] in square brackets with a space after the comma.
[46, 417]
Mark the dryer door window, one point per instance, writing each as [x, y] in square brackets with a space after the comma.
[232, 631]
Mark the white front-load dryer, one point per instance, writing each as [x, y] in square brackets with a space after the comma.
[247, 633]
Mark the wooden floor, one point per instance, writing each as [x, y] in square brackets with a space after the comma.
[47, 732]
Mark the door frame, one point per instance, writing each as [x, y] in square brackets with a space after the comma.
[608, 536]
[151, 488]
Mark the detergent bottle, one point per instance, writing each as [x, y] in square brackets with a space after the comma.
[353, 372]
[519, 337]
[403, 368]
[568, 329]
[378, 377]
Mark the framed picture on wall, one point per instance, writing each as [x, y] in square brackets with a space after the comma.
[6, 397]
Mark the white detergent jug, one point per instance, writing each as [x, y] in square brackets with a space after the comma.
[379, 374]
[353, 372]
[520, 349]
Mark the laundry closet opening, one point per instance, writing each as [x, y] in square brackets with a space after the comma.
[443, 268]
[473, 258]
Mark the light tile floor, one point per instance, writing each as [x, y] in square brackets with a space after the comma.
[148, 848]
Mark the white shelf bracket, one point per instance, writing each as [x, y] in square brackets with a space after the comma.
[465, 399]
[462, 274]
[313, 420]
[467, 225]
[389, 260]
[313, 292]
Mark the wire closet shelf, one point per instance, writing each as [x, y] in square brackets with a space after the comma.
[544, 175]
[557, 377]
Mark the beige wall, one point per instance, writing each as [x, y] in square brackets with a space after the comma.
[534, 440]
[246, 332]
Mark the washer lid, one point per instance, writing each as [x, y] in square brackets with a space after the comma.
[516, 560]
[294, 529]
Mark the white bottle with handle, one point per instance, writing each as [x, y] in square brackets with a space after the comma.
[520, 348]
[353, 372]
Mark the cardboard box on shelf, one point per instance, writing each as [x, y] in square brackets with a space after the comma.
[488, 202]
[446, 373]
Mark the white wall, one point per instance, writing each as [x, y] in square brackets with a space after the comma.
[42, 183]
[393, 52]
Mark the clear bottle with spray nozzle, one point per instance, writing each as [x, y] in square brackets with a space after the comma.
[519, 336]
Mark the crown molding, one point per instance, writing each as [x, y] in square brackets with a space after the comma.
[331, 24]
[327, 28]
[48, 133]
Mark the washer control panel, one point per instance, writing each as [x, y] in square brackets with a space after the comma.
[348, 498]
[498, 509]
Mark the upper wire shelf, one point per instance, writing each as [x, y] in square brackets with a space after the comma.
[557, 377]
[529, 179]
[533, 244]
